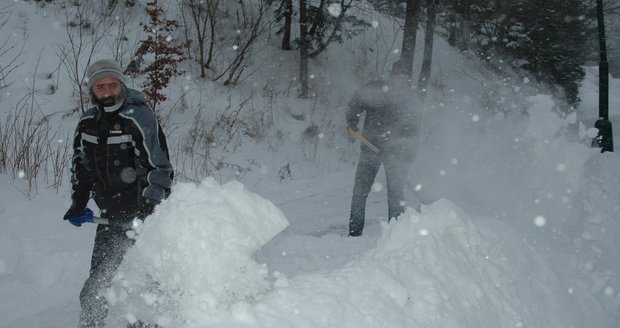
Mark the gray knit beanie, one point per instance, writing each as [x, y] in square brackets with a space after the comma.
[104, 68]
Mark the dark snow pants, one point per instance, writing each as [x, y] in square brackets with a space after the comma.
[111, 244]
[396, 163]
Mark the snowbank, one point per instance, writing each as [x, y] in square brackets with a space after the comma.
[192, 257]
[192, 266]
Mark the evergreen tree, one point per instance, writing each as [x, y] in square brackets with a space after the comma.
[548, 38]
[325, 29]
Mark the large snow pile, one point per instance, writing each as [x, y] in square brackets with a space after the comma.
[192, 257]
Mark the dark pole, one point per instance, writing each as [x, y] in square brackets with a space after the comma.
[604, 140]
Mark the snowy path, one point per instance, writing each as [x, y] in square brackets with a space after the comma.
[317, 239]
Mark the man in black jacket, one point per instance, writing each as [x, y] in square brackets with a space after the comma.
[121, 160]
[390, 125]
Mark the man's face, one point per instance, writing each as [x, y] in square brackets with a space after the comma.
[107, 91]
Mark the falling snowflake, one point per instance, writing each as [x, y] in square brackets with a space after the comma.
[609, 291]
[334, 9]
[540, 221]
[561, 167]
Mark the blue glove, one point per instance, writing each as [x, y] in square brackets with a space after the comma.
[77, 217]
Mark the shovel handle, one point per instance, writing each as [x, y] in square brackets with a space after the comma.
[124, 224]
[357, 135]
[100, 220]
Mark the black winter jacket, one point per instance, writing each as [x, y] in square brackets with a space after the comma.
[122, 158]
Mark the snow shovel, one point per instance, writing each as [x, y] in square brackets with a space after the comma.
[358, 135]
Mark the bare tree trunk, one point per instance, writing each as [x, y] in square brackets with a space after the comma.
[111, 5]
[288, 22]
[503, 30]
[202, 18]
[452, 29]
[200, 23]
[425, 71]
[459, 29]
[314, 21]
[256, 17]
[410, 34]
[303, 49]
[213, 21]
[83, 43]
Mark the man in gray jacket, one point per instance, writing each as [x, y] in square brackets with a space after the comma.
[391, 126]
[120, 160]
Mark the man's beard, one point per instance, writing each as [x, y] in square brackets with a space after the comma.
[109, 100]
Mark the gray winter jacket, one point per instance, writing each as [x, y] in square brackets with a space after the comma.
[391, 114]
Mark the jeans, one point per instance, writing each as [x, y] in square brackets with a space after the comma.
[395, 162]
[111, 244]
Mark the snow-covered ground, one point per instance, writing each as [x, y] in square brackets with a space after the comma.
[518, 226]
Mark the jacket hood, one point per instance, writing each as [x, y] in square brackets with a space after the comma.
[135, 97]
